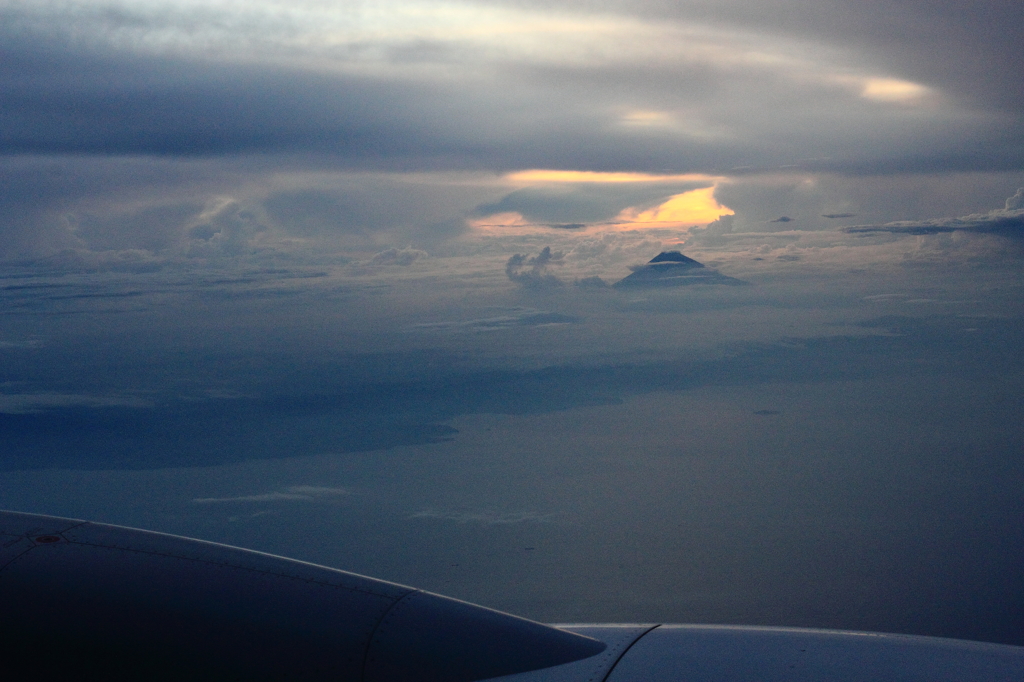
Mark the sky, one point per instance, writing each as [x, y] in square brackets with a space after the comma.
[336, 281]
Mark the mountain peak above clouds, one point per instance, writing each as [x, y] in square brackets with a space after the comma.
[675, 257]
[673, 269]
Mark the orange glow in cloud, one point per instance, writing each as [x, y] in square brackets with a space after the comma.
[541, 175]
[695, 207]
[504, 223]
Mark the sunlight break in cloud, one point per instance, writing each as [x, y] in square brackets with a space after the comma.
[684, 206]
[508, 222]
[575, 176]
[696, 207]
[893, 90]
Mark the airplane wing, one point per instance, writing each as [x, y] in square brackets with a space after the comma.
[91, 601]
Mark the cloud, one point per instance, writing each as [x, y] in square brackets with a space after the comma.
[28, 343]
[37, 403]
[485, 518]
[1008, 221]
[713, 234]
[783, 219]
[838, 215]
[533, 271]
[517, 317]
[404, 257]
[225, 228]
[293, 493]
[612, 247]
[573, 199]
[698, 206]
[503, 86]
[83, 260]
[158, 136]
[1016, 202]
[114, 213]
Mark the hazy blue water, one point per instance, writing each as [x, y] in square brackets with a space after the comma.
[869, 479]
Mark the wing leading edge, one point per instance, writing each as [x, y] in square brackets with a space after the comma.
[85, 601]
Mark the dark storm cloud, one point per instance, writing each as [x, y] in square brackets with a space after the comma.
[1008, 221]
[73, 100]
[106, 104]
[911, 38]
[838, 215]
[96, 80]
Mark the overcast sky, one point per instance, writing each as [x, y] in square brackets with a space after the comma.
[334, 280]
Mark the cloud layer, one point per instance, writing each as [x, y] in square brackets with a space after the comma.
[463, 84]
[1008, 221]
